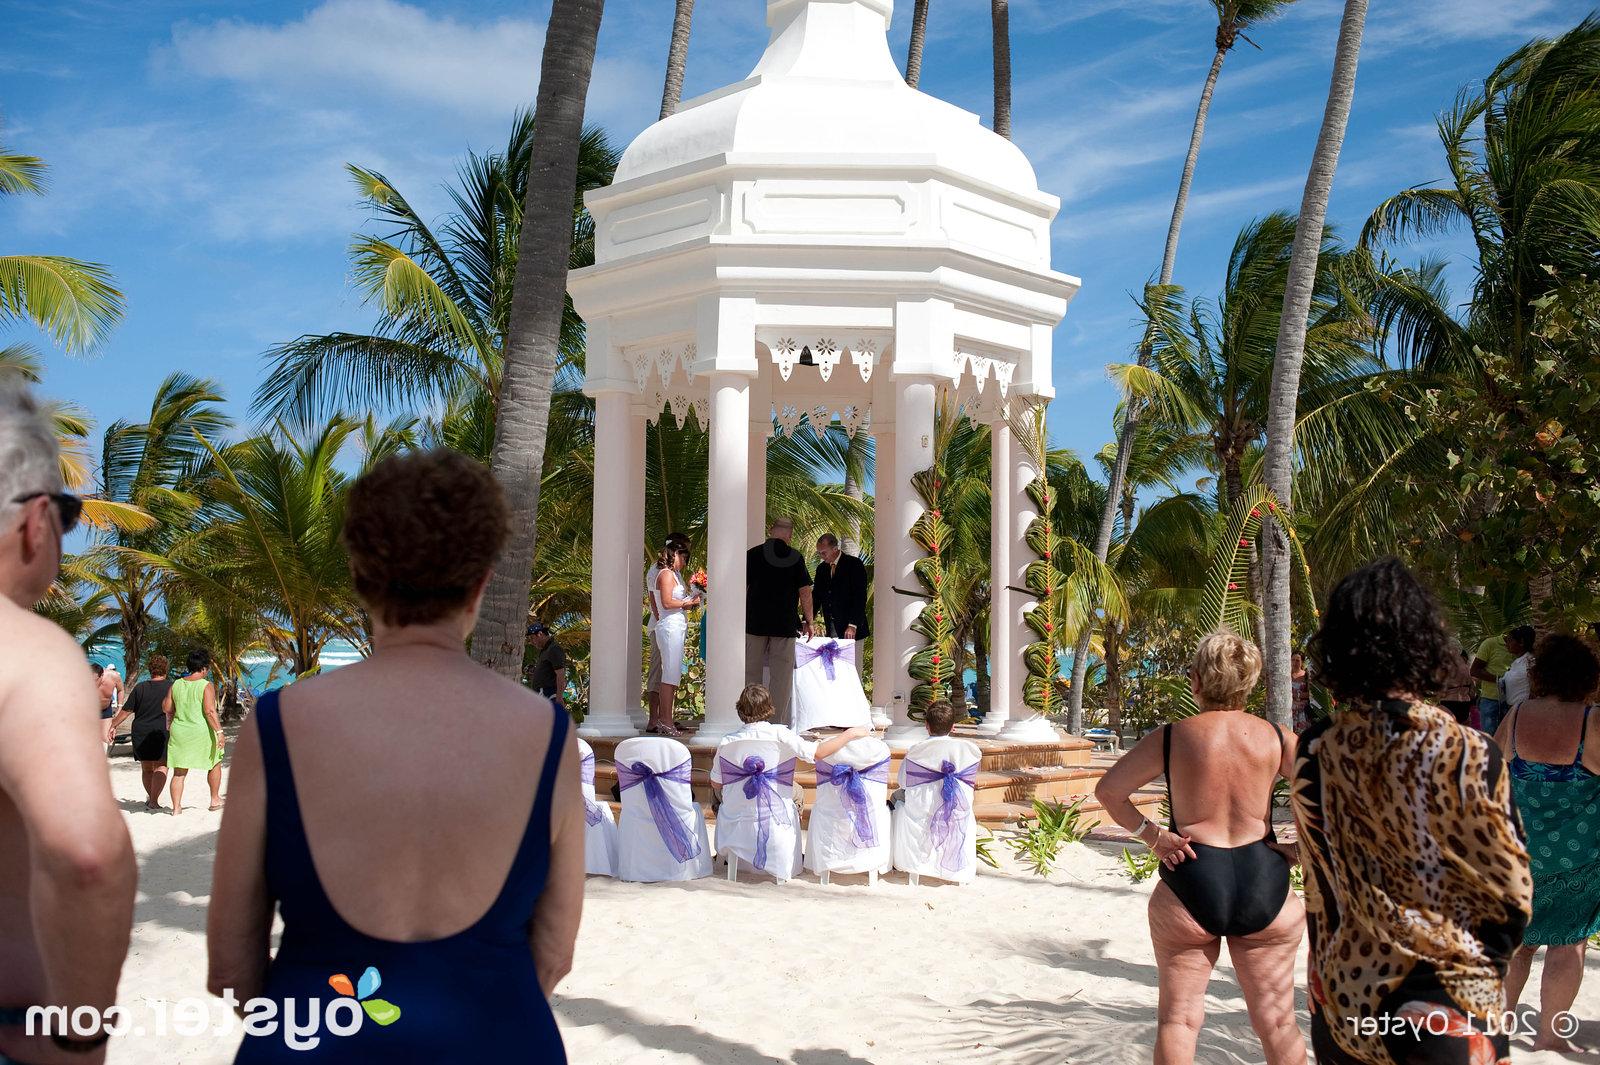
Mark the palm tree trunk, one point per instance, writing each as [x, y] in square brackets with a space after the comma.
[958, 682]
[533, 333]
[1541, 598]
[677, 58]
[1000, 16]
[1285, 388]
[1113, 678]
[919, 33]
[1130, 419]
[980, 654]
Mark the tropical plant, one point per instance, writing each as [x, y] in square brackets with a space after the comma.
[677, 57]
[1291, 356]
[1038, 841]
[73, 301]
[1233, 18]
[1140, 867]
[534, 328]
[932, 666]
[919, 35]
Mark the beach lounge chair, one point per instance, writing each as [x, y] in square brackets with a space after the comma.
[662, 832]
[600, 827]
[758, 820]
[934, 829]
[849, 829]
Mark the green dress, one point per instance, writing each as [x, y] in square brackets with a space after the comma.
[191, 744]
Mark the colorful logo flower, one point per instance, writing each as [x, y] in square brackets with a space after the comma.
[380, 1010]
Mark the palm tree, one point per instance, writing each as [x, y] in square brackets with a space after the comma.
[1291, 350]
[1000, 19]
[1233, 18]
[72, 300]
[154, 466]
[919, 34]
[677, 57]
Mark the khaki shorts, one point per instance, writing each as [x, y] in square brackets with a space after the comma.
[652, 680]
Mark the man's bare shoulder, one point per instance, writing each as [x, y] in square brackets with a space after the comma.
[41, 648]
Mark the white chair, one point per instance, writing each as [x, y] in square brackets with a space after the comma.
[827, 685]
[849, 830]
[662, 832]
[600, 827]
[758, 820]
[935, 836]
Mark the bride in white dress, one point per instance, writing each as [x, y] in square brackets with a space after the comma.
[672, 626]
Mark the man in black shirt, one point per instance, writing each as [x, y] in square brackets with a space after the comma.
[841, 591]
[777, 603]
[549, 674]
[149, 729]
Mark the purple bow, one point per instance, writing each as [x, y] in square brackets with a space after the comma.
[854, 795]
[591, 809]
[759, 785]
[830, 652]
[947, 831]
[674, 833]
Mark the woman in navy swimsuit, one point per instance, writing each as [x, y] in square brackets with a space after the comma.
[415, 819]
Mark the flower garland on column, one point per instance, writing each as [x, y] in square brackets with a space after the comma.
[1043, 578]
[932, 667]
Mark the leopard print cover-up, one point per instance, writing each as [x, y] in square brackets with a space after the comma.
[1417, 885]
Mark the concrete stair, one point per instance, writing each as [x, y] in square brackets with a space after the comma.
[1010, 777]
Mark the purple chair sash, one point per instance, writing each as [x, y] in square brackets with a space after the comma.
[830, 652]
[948, 832]
[680, 841]
[854, 793]
[591, 809]
[760, 784]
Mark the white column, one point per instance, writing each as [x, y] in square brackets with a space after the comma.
[612, 617]
[636, 562]
[913, 422]
[1027, 726]
[885, 617]
[756, 526]
[1004, 658]
[727, 518]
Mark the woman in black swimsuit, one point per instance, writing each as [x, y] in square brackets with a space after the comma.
[1223, 875]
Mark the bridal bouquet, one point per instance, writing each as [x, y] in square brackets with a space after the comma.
[699, 580]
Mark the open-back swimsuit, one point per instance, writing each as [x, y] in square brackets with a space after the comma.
[473, 996]
[1229, 891]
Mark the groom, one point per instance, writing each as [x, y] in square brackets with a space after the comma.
[777, 602]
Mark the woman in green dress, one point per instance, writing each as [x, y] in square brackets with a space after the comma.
[195, 737]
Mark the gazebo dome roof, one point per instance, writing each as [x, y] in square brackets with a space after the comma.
[827, 93]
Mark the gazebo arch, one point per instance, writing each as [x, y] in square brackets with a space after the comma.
[818, 205]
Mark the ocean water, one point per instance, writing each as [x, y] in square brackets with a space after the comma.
[262, 671]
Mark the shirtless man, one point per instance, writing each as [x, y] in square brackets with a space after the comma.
[67, 870]
[109, 683]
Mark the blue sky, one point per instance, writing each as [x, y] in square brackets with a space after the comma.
[197, 146]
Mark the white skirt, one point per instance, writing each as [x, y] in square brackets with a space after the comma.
[670, 633]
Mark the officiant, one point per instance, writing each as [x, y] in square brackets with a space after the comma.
[840, 590]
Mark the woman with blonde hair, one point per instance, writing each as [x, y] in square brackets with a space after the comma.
[1223, 874]
[672, 598]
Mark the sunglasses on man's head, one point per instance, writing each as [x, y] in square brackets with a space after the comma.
[68, 506]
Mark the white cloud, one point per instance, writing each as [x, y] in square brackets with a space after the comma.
[1430, 22]
[381, 47]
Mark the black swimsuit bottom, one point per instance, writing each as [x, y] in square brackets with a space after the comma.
[1229, 891]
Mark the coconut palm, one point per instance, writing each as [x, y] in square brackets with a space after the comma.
[533, 332]
[1233, 18]
[919, 34]
[154, 466]
[75, 302]
[1000, 20]
[1292, 351]
[677, 57]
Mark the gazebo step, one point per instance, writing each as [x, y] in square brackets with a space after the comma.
[1015, 785]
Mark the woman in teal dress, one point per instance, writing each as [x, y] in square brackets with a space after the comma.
[1555, 778]
[194, 739]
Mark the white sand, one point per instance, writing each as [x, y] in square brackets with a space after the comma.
[1011, 968]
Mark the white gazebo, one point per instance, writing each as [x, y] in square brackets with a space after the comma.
[817, 241]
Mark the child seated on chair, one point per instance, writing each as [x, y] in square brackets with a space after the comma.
[755, 710]
[939, 718]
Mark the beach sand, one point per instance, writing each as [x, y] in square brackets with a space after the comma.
[1009, 969]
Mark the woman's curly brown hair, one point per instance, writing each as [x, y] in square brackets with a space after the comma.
[423, 529]
[1383, 633]
[1564, 667]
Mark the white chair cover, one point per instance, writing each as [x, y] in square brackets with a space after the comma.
[924, 842]
[600, 827]
[834, 843]
[820, 700]
[642, 853]
[739, 818]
